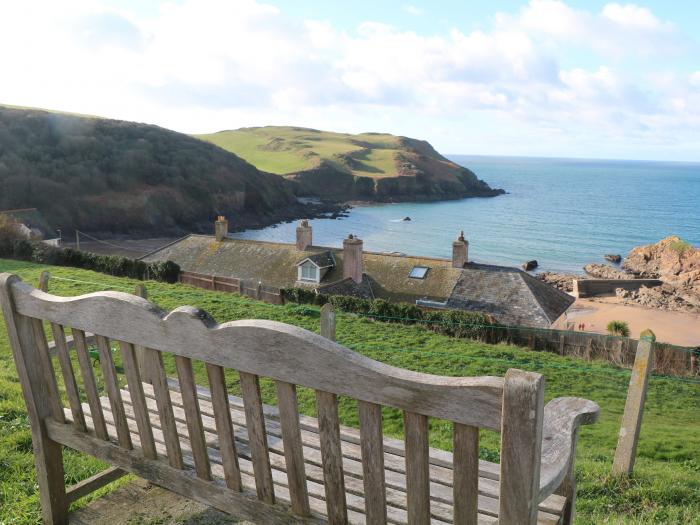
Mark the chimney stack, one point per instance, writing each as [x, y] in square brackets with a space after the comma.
[303, 235]
[220, 228]
[460, 252]
[352, 259]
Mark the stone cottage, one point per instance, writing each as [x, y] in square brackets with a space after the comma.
[512, 296]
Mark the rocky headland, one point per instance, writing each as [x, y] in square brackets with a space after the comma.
[671, 260]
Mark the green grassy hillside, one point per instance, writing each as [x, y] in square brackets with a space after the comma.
[372, 165]
[106, 175]
[664, 489]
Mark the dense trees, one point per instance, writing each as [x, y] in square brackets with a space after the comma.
[114, 176]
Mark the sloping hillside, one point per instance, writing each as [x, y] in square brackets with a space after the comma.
[370, 166]
[106, 175]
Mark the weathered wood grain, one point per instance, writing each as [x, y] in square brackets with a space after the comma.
[89, 384]
[190, 401]
[262, 348]
[521, 447]
[48, 454]
[371, 440]
[328, 321]
[47, 371]
[417, 468]
[154, 361]
[59, 337]
[133, 377]
[109, 374]
[332, 457]
[293, 453]
[255, 420]
[224, 427]
[91, 484]
[466, 474]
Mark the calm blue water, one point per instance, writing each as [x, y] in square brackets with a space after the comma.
[563, 212]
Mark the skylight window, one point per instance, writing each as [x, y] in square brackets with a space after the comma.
[418, 272]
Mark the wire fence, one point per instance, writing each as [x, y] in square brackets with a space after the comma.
[620, 363]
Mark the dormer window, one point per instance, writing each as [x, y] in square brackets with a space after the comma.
[418, 272]
[308, 272]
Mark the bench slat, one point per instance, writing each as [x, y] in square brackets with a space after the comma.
[250, 387]
[332, 456]
[224, 427]
[109, 374]
[417, 468]
[59, 337]
[194, 417]
[47, 371]
[373, 462]
[143, 421]
[293, 454]
[89, 383]
[165, 408]
[466, 474]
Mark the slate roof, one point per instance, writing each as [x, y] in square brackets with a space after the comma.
[512, 296]
[509, 294]
[322, 259]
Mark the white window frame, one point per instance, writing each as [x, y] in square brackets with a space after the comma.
[311, 266]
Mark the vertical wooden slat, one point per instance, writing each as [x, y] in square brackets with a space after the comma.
[224, 427]
[76, 407]
[93, 396]
[466, 474]
[521, 447]
[372, 445]
[138, 399]
[109, 373]
[48, 454]
[154, 360]
[417, 468]
[331, 457]
[47, 371]
[255, 423]
[193, 416]
[293, 454]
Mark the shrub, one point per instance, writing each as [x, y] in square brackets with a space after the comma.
[455, 323]
[39, 252]
[620, 328]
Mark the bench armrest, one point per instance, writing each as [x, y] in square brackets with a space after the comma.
[562, 417]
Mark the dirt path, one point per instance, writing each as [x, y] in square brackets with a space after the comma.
[677, 328]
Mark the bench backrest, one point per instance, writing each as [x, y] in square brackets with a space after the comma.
[290, 356]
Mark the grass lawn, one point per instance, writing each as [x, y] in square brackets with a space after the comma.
[665, 487]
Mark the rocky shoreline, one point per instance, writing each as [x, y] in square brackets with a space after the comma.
[670, 260]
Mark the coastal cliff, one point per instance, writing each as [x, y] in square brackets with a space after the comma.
[343, 167]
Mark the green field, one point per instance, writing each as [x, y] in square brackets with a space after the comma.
[664, 489]
[283, 150]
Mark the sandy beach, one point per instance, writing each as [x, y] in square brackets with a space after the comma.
[679, 328]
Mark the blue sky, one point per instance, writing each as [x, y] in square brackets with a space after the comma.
[541, 77]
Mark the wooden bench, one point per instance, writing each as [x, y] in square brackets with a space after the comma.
[269, 464]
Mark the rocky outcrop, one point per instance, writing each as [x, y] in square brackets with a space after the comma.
[605, 271]
[664, 297]
[613, 258]
[530, 265]
[672, 260]
[562, 281]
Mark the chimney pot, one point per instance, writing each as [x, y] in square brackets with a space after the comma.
[304, 235]
[352, 259]
[460, 251]
[220, 228]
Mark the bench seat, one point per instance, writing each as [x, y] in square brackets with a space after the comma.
[550, 510]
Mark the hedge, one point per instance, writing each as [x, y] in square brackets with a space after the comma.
[118, 266]
[455, 323]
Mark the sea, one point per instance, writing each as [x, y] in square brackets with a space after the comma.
[564, 213]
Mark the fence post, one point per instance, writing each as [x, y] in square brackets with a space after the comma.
[328, 322]
[142, 362]
[44, 281]
[626, 451]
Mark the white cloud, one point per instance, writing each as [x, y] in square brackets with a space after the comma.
[413, 10]
[203, 65]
